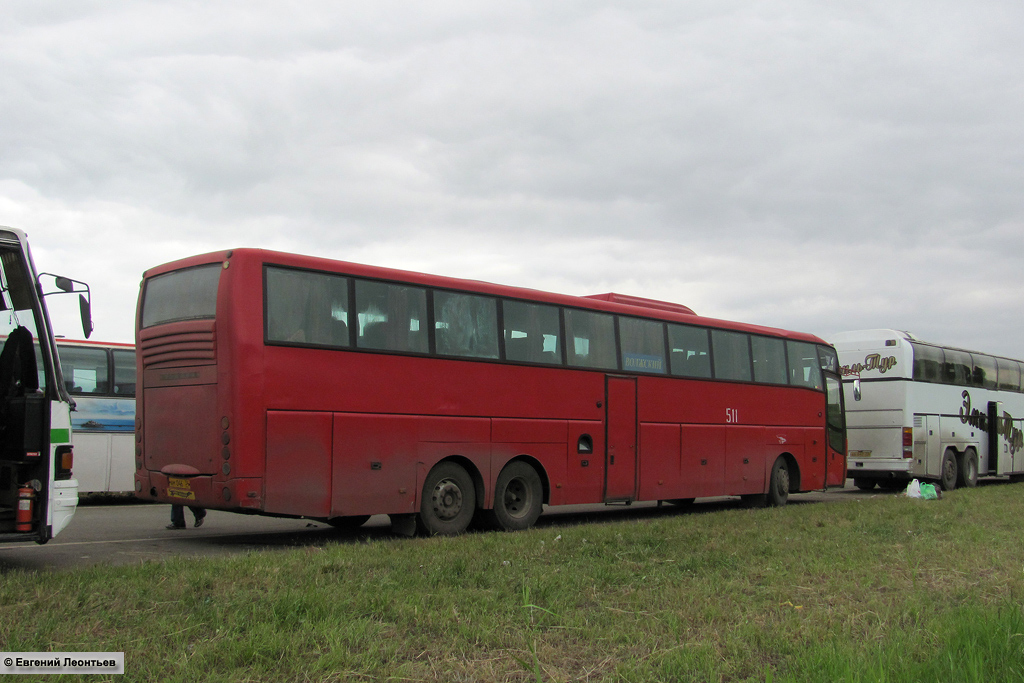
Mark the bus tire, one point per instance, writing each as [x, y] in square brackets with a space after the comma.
[518, 497]
[864, 484]
[448, 501]
[350, 523]
[949, 473]
[967, 471]
[778, 484]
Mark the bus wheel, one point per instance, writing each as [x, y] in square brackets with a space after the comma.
[967, 472]
[949, 472]
[864, 484]
[778, 488]
[518, 497]
[448, 501]
[348, 523]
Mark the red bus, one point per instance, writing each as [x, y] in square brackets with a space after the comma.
[289, 385]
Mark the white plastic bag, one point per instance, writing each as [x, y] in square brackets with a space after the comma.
[914, 490]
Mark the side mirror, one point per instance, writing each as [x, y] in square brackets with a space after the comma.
[67, 285]
[85, 307]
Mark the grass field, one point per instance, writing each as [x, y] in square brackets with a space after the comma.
[880, 589]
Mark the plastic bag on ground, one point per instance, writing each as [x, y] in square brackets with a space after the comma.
[928, 492]
[914, 490]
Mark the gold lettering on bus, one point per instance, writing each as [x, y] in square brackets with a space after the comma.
[1013, 436]
[873, 361]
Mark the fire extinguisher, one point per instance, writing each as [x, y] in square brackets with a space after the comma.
[26, 500]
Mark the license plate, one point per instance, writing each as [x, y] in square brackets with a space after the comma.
[180, 488]
[860, 454]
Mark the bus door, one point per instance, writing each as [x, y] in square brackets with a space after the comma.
[620, 423]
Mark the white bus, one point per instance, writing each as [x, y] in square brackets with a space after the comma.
[100, 376]
[930, 412]
[38, 494]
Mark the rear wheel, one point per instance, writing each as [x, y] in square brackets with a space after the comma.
[448, 501]
[518, 497]
[950, 472]
[967, 472]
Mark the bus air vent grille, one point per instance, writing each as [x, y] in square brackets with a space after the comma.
[181, 343]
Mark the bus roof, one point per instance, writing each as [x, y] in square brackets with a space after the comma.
[611, 302]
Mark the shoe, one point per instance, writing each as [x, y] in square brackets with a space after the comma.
[175, 526]
[199, 522]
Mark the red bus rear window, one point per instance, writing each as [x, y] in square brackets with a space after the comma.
[188, 294]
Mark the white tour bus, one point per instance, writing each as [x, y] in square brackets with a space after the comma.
[930, 412]
[38, 494]
[100, 376]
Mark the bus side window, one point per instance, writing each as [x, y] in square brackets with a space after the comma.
[465, 325]
[959, 368]
[928, 363]
[124, 373]
[531, 333]
[391, 317]
[84, 370]
[643, 345]
[305, 307]
[592, 338]
[731, 354]
[769, 360]
[804, 368]
[690, 351]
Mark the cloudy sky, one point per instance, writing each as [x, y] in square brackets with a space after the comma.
[808, 165]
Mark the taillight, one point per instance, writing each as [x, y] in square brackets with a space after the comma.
[65, 458]
[908, 442]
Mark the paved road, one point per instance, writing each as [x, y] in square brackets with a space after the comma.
[123, 532]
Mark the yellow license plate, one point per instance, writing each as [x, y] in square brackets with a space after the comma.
[180, 488]
[860, 454]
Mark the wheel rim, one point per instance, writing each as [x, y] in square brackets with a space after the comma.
[517, 498]
[447, 500]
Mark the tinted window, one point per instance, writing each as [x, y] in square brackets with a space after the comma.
[958, 368]
[466, 325]
[85, 370]
[124, 373]
[532, 333]
[984, 373]
[769, 359]
[591, 339]
[731, 351]
[928, 362]
[1009, 374]
[804, 368]
[188, 294]
[690, 357]
[391, 317]
[643, 345]
[307, 308]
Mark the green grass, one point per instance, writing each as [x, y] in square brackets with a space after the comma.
[880, 589]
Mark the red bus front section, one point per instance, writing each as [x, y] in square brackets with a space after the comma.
[228, 420]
